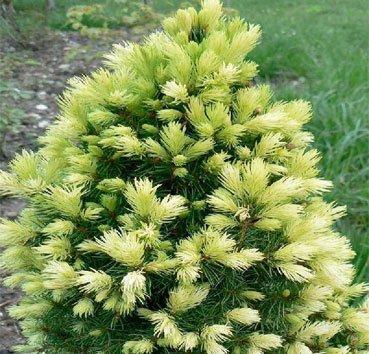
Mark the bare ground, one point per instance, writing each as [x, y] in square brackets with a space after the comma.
[35, 77]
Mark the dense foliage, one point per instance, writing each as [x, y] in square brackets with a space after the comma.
[94, 20]
[174, 207]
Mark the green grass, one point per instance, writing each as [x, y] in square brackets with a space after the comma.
[316, 50]
[32, 12]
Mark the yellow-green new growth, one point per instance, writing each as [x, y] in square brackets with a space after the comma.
[175, 207]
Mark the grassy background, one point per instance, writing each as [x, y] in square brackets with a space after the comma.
[311, 49]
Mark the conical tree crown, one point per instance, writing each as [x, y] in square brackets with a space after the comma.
[175, 207]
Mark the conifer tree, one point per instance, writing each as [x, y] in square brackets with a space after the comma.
[175, 207]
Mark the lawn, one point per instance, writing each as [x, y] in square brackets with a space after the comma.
[311, 49]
